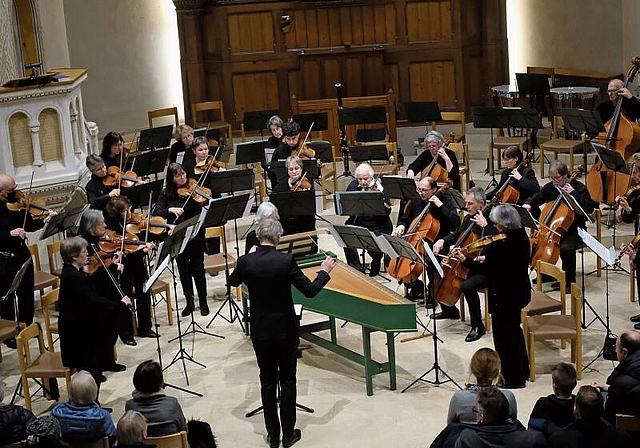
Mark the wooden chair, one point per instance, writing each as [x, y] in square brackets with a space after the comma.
[49, 299]
[42, 279]
[553, 326]
[220, 124]
[177, 440]
[214, 264]
[385, 168]
[453, 117]
[541, 302]
[46, 365]
[55, 261]
[558, 145]
[628, 422]
[324, 152]
[8, 330]
[164, 112]
[464, 167]
[487, 316]
[162, 288]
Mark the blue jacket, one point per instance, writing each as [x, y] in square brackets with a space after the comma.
[83, 422]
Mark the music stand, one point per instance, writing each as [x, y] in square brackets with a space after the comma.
[150, 162]
[153, 138]
[62, 222]
[139, 194]
[422, 112]
[250, 152]
[537, 86]
[291, 204]
[209, 134]
[222, 210]
[257, 120]
[578, 121]
[309, 166]
[320, 121]
[398, 187]
[612, 160]
[525, 217]
[369, 153]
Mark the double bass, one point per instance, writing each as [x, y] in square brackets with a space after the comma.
[623, 136]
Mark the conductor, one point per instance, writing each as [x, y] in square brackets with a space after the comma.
[269, 275]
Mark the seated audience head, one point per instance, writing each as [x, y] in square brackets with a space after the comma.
[589, 404]
[563, 379]
[267, 210]
[148, 377]
[485, 367]
[269, 231]
[1, 389]
[200, 435]
[84, 390]
[627, 344]
[44, 432]
[492, 407]
[131, 428]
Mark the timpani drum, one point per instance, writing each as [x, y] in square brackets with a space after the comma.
[504, 95]
[577, 97]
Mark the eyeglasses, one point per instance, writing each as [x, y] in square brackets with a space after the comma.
[613, 91]
[424, 190]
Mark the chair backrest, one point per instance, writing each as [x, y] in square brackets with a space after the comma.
[544, 268]
[24, 352]
[206, 106]
[53, 254]
[99, 443]
[35, 252]
[164, 112]
[628, 422]
[177, 440]
[454, 117]
[217, 232]
[48, 299]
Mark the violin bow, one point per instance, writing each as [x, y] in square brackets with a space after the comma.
[26, 210]
[303, 177]
[306, 137]
[121, 163]
[111, 277]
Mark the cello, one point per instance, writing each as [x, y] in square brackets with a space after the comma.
[623, 136]
[507, 193]
[423, 226]
[555, 220]
[434, 170]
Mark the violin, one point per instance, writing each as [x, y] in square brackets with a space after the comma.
[98, 260]
[116, 177]
[34, 205]
[209, 164]
[304, 152]
[112, 242]
[301, 184]
[633, 244]
[192, 190]
[137, 223]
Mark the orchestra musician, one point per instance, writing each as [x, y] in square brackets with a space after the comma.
[275, 327]
[290, 142]
[629, 211]
[265, 210]
[183, 144]
[274, 124]
[506, 265]
[570, 241]
[443, 210]
[14, 226]
[171, 205]
[474, 200]
[135, 272]
[365, 181]
[295, 182]
[98, 194]
[446, 158]
[521, 177]
[85, 319]
[93, 229]
[112, 149]
[617, 91]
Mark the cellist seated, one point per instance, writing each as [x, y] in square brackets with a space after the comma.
[570, 241]
[445, 159]
[443, 211]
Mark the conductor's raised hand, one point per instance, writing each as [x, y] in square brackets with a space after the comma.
[328, 264]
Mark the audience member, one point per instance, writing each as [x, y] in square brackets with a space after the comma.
[589, 429]
[494, 427]
[81, 418]
[199, 434]
[555, 411]
[623, 385]
[13, 420]
[164, 414]
[44, 432]
[132, 430]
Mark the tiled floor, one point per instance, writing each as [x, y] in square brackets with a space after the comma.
[344, 415]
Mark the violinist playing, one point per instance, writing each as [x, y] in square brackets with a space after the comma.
[474, 200]
[290, 142]
[520, 176]
[365, 181]
[135, 272]
[570, 241]
[443, 210]
[296, 181]
[113, 151]
[629, 211]
[98, 194]
[446, 158]
[14, 226]
[505, 263]
[171, 205]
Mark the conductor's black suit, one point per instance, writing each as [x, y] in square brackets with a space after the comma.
[269, 275]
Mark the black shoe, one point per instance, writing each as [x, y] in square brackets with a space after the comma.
[109, 410]
[431, 304]
[273, 442]
[635, 318]
[292, 439]
[454, 314]
[187, 310]
[11, 343]
[115, 367]
[475, 333]
[128, 340]
[515, 385]
[299, 354]
[148, 334]
[545, 279]
[555, 286]
[103, 379]
[204, 308]
[637, 326]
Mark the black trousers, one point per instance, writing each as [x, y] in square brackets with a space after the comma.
[354, 260]
[470, 288]
[508, 340]
[277, 361]
[568, 245]
[132, 283]
[191, 265]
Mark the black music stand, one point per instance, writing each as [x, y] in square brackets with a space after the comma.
[250, 152]
[258, 120]
[62, 222]
[220, 212]
[153, 138]
[535, 85]
[525, 217]
[398, 187]
[488, 118]
[209, 134]
[291, 204]
[422, 112]
[369, 153]
[577, 121]
[150, 162]
[320, 121]
[139, 194]
[309, 167]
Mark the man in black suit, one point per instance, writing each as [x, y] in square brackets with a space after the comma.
[269, 275]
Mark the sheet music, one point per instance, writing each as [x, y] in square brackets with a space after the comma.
[156, 273]
[385, 246]
[433, 259]
[247, 209]
[608, 255]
